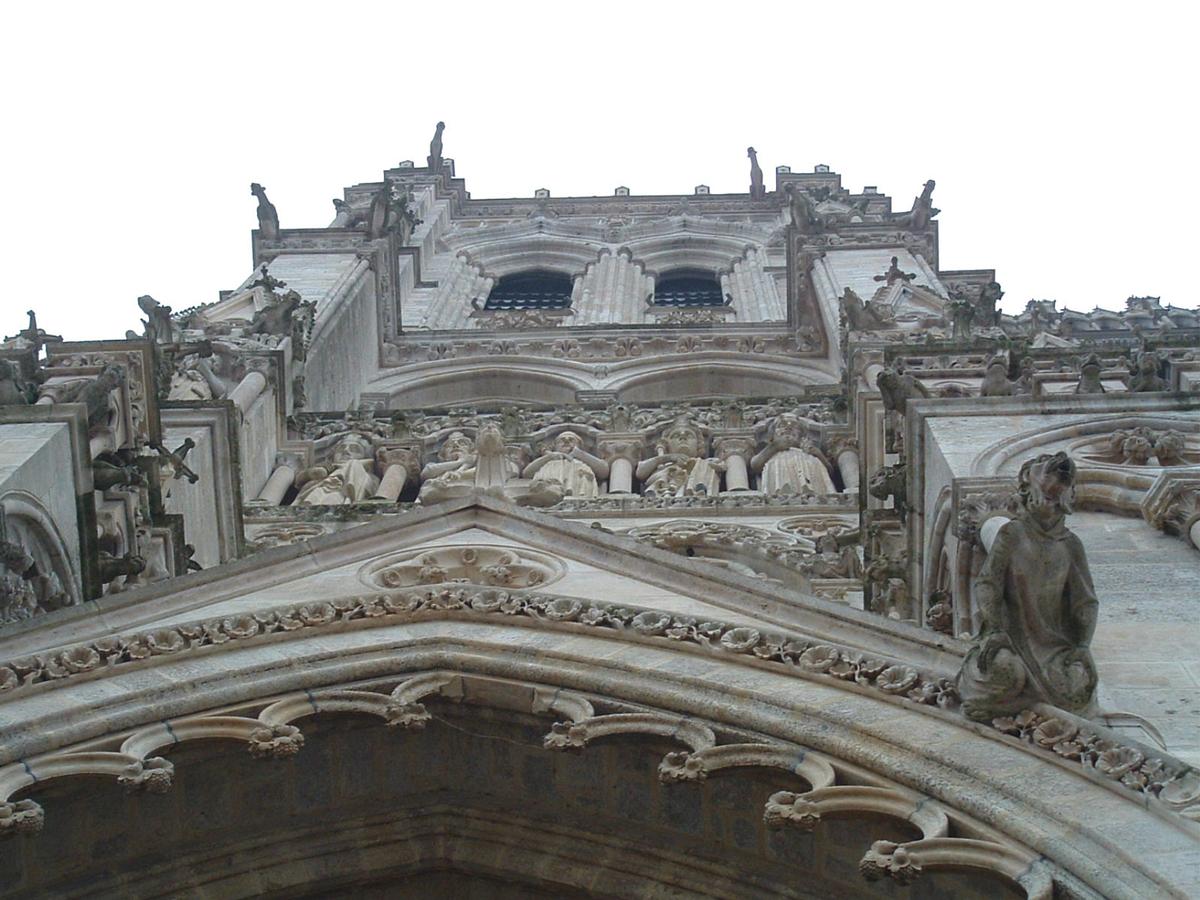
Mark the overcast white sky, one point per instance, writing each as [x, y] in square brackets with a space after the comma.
[1062, 135]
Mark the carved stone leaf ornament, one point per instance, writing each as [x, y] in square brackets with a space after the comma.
[481, 565]
[1170, 780]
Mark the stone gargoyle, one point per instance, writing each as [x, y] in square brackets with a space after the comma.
[1038, 606]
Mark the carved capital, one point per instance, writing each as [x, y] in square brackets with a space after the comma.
[840, 443]
[407, 457]
[742, 445]
[628, 447]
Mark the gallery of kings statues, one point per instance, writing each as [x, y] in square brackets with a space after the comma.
[699, 545]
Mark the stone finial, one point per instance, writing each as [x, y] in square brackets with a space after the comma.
[1038, 606]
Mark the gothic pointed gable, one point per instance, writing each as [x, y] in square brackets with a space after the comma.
[486, 545]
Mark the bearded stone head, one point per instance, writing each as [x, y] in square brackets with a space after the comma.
[1047, 480]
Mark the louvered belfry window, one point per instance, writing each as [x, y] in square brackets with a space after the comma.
[685, 288]
[531, 290]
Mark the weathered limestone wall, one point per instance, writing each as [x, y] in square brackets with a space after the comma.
[258, 440]
[342, 354]
[1147, 643]
[36, 465]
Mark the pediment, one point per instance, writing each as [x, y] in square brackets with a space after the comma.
[239, 306]
[478, 545]
[910, 301]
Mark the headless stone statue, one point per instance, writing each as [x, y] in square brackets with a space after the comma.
[1038, 604]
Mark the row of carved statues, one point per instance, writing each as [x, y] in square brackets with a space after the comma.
[681, 462]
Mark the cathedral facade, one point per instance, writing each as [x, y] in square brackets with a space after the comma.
[704, 545]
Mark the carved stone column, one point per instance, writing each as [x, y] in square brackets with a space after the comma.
[735, 451]
[277, 485]
[397, 465]
[621, 453]
[248, 390]
[845, 452]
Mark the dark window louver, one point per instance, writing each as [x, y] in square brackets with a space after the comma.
[688, 290]
[531, 290]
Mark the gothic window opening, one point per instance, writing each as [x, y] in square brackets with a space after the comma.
[688, 288]
[531, 290]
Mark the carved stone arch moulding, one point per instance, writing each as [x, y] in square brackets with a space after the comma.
[793, 700]
[1006, 455]
[819, 789]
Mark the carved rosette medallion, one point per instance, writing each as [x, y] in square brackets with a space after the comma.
[474, 564]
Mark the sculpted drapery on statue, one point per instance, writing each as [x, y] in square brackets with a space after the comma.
[1038, 604]
[571, 466]
[790, 463]
[350, 480]
[465, 463]
[679, 468]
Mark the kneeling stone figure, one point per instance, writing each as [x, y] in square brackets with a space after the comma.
[1038, 604]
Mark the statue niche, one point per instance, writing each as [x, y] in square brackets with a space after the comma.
[350, 480]
[1038, 606]
[569, 466]
[678, 467]
[790, 463]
